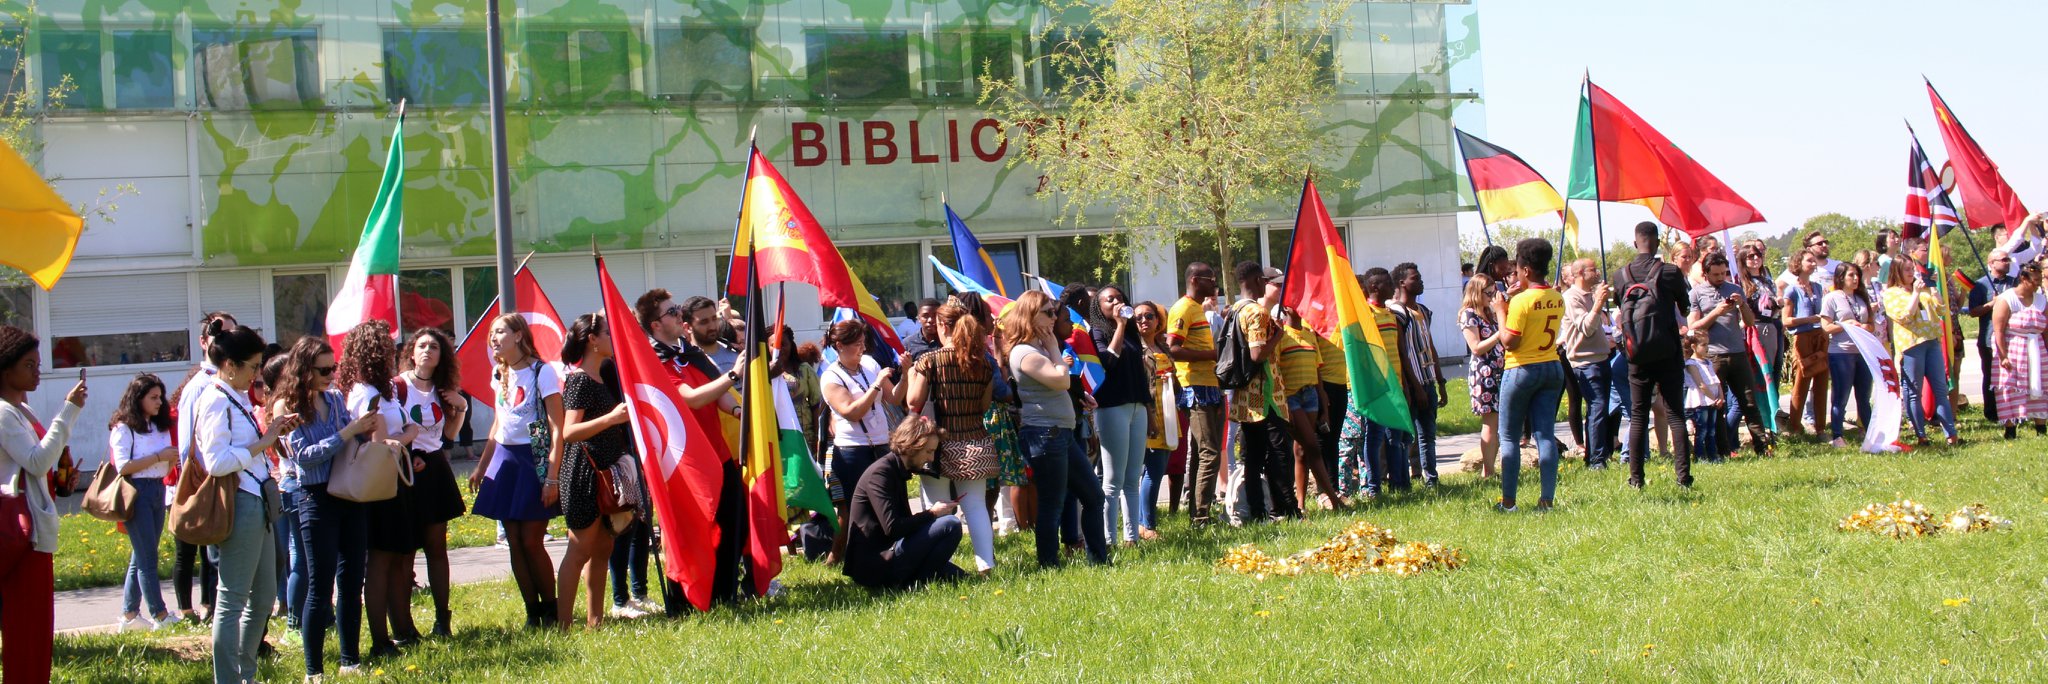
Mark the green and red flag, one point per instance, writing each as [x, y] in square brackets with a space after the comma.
[1508, 188]
[1324, 291]
[370, 291]
[1619, 157]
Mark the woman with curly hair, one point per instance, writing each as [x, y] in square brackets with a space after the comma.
[333, 532]
[517, 481]
[430, 396]
[139, 442]
[368, 361]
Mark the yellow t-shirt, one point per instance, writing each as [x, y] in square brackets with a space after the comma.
[1187, 324]
[1536, 314]
[1333, 371]
[1300, 362]
[1250, 403]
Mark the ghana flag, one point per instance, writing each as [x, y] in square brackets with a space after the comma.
[1323, 289]
[1508, 188]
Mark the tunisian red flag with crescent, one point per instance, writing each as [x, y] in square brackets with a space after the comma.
[682, 474]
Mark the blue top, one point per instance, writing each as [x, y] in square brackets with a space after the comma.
[1805, 302]
[313, 446]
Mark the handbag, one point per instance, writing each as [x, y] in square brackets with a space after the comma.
[539, 434]
[972, 458]
[369, 472]
[616, 490]
[110, 497]
[203, 509]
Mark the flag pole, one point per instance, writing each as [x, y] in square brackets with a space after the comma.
[1476, 204]
[1599, 206]
[746, 179]
[398, 301]
[501, 173]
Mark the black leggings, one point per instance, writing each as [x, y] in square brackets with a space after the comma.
[181, 575]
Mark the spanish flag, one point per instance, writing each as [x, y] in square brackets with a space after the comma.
[779, 238]
[1507, 188]
[42, 231]
[1324, 291]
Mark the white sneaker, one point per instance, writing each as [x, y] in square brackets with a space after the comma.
[133, 624]
[644, 606]
[627, 612]
[168, 622]
[349, 670]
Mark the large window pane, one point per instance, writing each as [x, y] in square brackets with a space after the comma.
[960, 60]
[435, 67]
[263, 68]
[890, 272]
[1084, 258]
[119, 349]
[300, 300]
[588, 66]
[1280, 245]
[712, 64]
[142, 70]
[479, 291]
[1009, 258]
[17, 305]
[859, 65]
[75, 54]
[425, 299]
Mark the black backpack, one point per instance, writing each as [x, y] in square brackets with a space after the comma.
[1645, 339]
[1235, 368]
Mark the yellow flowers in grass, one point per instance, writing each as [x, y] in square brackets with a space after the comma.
[1956, 602]
[1903, 519]
[1360, 549]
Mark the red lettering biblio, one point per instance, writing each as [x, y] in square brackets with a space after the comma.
[873, 142]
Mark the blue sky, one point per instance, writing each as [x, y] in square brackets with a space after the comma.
[1797, 104]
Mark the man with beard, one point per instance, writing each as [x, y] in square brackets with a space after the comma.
[708, 392]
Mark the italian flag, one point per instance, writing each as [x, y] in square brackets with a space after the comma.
[370, 292]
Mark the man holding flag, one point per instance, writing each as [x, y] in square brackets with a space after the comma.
[706, 393]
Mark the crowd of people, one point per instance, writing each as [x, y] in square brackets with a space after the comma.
[992, 413]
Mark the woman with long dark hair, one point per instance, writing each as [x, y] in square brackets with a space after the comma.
[1851, 304]
[430, 396]
[228, 443]
[191, 556]
[28, 450]
[1122, 400]
[333, 532]
[139, 443]
[368, 364]
[595, 432]
[1161, 435]
[509, 481]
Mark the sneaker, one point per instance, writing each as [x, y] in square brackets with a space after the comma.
[348, 670]
[1838, 443]
[1429, 482]
[163, 622]
[643, 605]
[134, 624]
[627, 612]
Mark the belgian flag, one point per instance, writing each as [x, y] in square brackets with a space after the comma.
[1508, 188]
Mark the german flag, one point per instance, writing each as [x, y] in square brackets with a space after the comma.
[1508, 188]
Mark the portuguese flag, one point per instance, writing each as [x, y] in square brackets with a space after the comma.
[1619, 157]
[1508, 188]
[1323, 289]
[370, 292]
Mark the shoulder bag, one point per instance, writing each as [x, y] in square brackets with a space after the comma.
[368, 472]
[111, 497]
[540, 435]
[203, 509]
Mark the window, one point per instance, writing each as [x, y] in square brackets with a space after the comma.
[300, 301]
[705, 64]
[963, 59]
[1009, 258]
[435, 67]
[425, 299]
[261, 69]
[18, 305]
[479, 292]
[1280, 242]
[1072, 57]
[1092, 259]
[583, 66]
[123, 319]
[859, 65]
[140, 63]
[75, 54]
[1200, 245]
[890, 272]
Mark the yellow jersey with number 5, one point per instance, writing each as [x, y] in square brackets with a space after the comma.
[1536, 315]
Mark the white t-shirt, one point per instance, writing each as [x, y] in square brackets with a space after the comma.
[359, 398]
[422, 408]
[123, 445]
[873, 428]
[524, 405]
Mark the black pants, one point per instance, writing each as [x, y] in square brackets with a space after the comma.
[1738, 373]
[1267, 455]
[1646, 383]
[208, 575]
[1575, 411]
[728, 579]
[1339, 397]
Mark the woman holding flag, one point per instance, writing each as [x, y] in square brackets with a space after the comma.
[1849, 305]
[1917, 315]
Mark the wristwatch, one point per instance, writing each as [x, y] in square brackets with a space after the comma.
[733, 375]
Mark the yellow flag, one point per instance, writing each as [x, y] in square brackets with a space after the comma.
[38, 231]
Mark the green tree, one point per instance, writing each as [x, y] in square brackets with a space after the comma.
[1176, 113]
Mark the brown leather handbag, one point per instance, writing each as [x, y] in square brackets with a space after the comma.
[203, 510]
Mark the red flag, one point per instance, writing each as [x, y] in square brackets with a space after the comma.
[473, 354]
[778, 236]
[1987, 200]
[1632, 162]
[683, 476]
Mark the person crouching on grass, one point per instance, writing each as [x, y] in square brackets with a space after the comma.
[887, 546]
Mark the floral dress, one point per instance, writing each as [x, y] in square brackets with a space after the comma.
[1484, 370]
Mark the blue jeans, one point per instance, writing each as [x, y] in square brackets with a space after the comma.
[298, 570]
[1706, 431]
[1149, 488]
[1618, 411]
[1530, 392]
[926, 554]
[1386, 457]
[1848, 372]
[848, 462]
[1596, 380]
[142, 584]
[248, 585]
[1123, 467]
[336, 535]
[1058, 468]
[1424, 443]
[1923, 360]
[629, 563]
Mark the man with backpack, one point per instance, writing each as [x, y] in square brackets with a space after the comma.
[1246, 347]
[1653, 298]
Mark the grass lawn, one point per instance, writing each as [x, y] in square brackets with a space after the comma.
[1744, 578]
[94, 554]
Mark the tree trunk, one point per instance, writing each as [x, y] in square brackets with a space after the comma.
[1226, 272]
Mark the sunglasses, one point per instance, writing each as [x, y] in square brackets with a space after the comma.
[1147, 317]
[324, 371]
